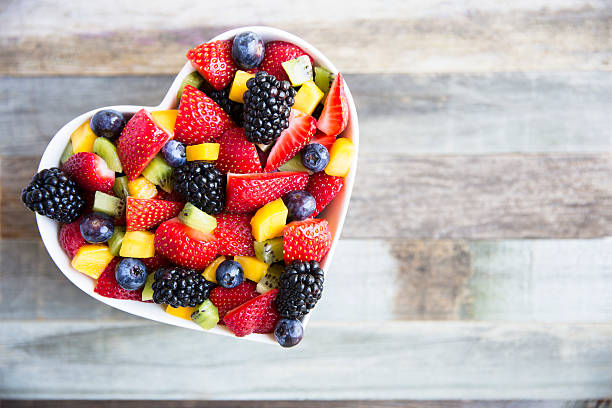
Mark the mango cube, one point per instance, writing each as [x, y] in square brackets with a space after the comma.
[138, 244]
[203, 151]
[253, 268]
[239, 86]
[182, 312]
[269, 221]
[210, 273]
[92, 260]
[166, 119]
[340, 157]
[83, 139]
[307, 98]
[142, 188]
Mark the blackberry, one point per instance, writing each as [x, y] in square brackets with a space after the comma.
[301, 285]
[54, 194]
[176, 286]
[201, 184]
[234, 109]
[267, 105]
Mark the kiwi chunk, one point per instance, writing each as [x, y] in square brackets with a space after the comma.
[68, 151]
[269, 251]
[294, 164]
[323, 79]
[108, 204]
[271, 279]
[194, 79]
[107, 151]
[195, 218]
[121, 187]
[206, 315]
[159, 173]
[114, 243]
[147, 290]
[298, 70]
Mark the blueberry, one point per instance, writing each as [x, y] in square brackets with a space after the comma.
[301, 204]
[315, 157]
[131, 273]
[229, 274]
[97, 227]
[174, 153]
[107, 123]
[248, 50]
[288, 332]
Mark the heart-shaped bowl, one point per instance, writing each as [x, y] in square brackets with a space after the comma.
[334, 213]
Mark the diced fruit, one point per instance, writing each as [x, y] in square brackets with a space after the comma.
[323, 79]
[182, 312]
[206, 315]
[203, 151]
[145, 213]
[138, 244]
[147, 291]
[83, 139]
[229, 274]
[253, 268]
[214, 62]
[139, 142]
[66, 153]
[92, 260]
[323, 188]
[248, 192]
[108, 204]
[210, 273]
[194, 79]
[159, 173]
[107, 123]
[70, 237]
[307, 240]
[166, 119]
[301, 204]
[315, 157]
[97, 227]
[142, 188]
[114, 243]
[248, 50]
[323, 139]
[268, 321]
[175, 153]
[195, 218]
[270, 250]
[288, 332]
[237, 154]
[248, 317]
[108, 152]
[307, 98]
[228, 299]
[276, 53]
[269, 221]
[335, 115]
[239, 86]
[199, 119]
[271, 280]
[340, 158]
[107, 285]
[90, 172]
[120, 187]
[301, 129]
[294, 164]
[299, 70]
[131, 273]
[233, 233]
[185, 246]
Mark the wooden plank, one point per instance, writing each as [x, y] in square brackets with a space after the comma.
[42, 38]
[65, 359]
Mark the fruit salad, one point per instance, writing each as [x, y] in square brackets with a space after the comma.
[212, 210]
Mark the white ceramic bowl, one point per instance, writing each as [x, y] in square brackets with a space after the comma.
[335, 213]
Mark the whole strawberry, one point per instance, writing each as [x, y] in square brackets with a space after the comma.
[276, 53]
[307, 240]
[214, 62]
[323, 188]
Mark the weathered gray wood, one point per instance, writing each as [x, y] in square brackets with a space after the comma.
[403, 36]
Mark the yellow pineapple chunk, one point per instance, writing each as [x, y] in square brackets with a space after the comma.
[253, 268]
[210, 273]
[203, 151]
[166, 119]
[138, 244]
[307, 98]
[340, 157]
[239, 86]
[269, 221]
[142, 188]
[83, 139]
[182, 312]
[92, 260]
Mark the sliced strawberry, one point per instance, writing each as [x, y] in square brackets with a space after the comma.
[155, 262]
[234, 235]
[140, 140]
[171, 196]
[323, 188]
[247, 318]
[276, 53]
[199, 119]
[335, 115]
[214, 62]
[90, 172]
[236, 153]
[248, 192]
[144, 213]
[268, 321]
[300, 131]
[307, 240]
[227, 299]
[70, 237]
[323, 139]
[185, 246]
[107, 285]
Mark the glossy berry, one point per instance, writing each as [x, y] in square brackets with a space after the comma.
[107, 123]
[301, 204]
[97, 227]
[174, 153]
[248, 50]
[229, 274]
[201, 184]
[131, 273]
[315, 157]
[288, 332]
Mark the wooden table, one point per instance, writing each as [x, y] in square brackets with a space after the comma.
[475, 261]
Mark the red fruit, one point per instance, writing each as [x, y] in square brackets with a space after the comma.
[214, 62]
[227, 299]
[248, 192]
[247, 318]
[107, 285]
[263, 156]
[300, 131]
[90, 172]
[156, 261]
[323, 139]
[233, 234]
[171, 196]
[323, 188]
[144, 213]
[140, 140]
[307, 240]
[237, 154]
[199, 119]
[335, 115]
[185, 246]
[70, 237]
[268, 321]
[276, 53]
